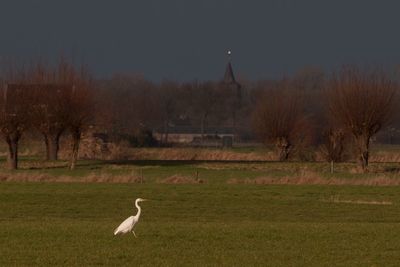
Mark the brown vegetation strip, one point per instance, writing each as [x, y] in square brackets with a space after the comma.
[177, 179]
[386, 156]
[197, 154]
[93, 178]
[376, 181]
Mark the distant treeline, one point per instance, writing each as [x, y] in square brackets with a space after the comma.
[311, 108]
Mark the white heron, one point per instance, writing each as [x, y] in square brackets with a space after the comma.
[127, 225]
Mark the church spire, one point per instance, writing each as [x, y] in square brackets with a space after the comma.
[229, 77]
[229, 55]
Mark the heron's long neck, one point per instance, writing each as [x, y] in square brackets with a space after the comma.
[138, 208]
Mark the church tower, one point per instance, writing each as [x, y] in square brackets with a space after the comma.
[229, 78]
[235, 99]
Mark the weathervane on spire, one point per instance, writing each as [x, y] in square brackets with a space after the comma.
[229, 55]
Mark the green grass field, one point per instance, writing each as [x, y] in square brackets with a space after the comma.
[212, 224]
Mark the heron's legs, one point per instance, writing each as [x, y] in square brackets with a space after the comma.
[134, 233]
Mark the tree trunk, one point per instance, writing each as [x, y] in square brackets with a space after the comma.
[362, 143]
[166, 131]
[234, 126]
[203, 127]
[76, 139]
[283, 148]
[12, 157]
[52, 146]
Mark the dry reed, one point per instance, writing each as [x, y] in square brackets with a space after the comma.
[312, 178]
[177, 179]
[197, 154]
[92, 178]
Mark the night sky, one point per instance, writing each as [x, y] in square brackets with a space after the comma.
[188, 39]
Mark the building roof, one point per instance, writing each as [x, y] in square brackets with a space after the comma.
[197, 130]
[229, 77]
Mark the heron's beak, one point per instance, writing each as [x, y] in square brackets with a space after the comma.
[145, 199]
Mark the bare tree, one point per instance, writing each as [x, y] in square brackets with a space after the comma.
[14, 110]
[168, 102]
[362, 101]
[332, 146]
[205, 99]
[14, 118]
[50, 112]
[80, 111]
[279, 119]
[127, 105]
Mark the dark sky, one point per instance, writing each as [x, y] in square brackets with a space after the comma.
[188, 39]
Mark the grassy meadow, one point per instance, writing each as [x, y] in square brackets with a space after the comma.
[48, 224]
[201, 213]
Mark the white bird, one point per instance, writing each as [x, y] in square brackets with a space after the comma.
[127, 225]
